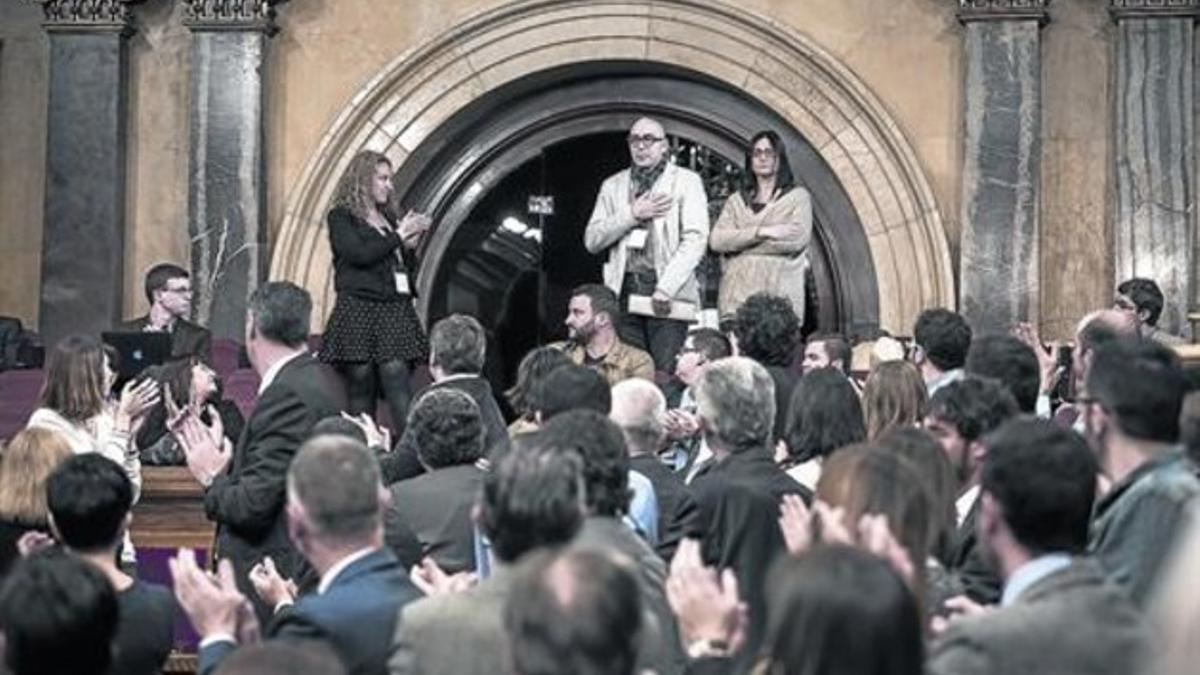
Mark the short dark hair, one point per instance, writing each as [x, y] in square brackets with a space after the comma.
[836, 347]
[1095, 334]
[446, 428]
[1044, 479]
[89, 497]
[281, 312]
[533, 497]
[158, 276]
[283, 657]
[458, 344]
[824, 414]
[710, 342]
[59, 614]
[1011, 362]
[826, 604]
[574, 611]
[944, 336]
[767, 329]
[601, 445]
[602, 298]
[336, 425]
[1141, 384]
[534, 366]
[572, 387]
[1146, 296]
[974, 406]
[337, 481]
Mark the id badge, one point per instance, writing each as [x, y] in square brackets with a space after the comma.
[636, 239]
[402, 283]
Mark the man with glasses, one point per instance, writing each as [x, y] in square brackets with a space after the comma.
[652, 219]
[169, 290]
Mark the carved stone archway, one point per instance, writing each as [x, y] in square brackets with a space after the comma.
[784, 70]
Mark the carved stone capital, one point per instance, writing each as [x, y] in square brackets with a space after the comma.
[1147, 9]
[74, 15]
[231, 15]
[1004, 10]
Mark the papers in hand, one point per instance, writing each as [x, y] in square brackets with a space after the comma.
[680, 310]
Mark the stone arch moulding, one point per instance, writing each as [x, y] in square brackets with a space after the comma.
[850, 128]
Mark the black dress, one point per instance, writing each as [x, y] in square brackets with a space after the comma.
[372, 321]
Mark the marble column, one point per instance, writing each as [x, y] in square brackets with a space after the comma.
[83, 231]
[1154, 216]
[1002, 150]
[226, 181]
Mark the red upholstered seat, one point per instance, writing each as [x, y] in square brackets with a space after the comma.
[19, 390]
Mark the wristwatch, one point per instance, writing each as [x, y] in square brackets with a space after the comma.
[703, 648]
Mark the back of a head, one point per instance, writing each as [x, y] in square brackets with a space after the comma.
[336, 482]
[59, 615]
[336, 425]
[1043, 478]
[944, 337]
[767, 329]
[1146, 296]
[533, 498]
[89, 497]
[458, 345]
[1102, 327]
[25, 465]
[841, 611]
[572, 387]
[924, 452]
[279, 657]
[600, 444]
[281, 312]
[975, 406]
[894, 396]
[74, 385]
[637, 408]
[574, 613]
[824, 415]
[710, 342]
[534, 366]
[446, 428]
[1142, 385]
[1010, 361]
[736, 400]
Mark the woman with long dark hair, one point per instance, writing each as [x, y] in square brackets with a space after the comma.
[764, 229]
[824, 414]
[192, 386]
[373, 336]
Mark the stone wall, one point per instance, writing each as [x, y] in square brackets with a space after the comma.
[907, 52]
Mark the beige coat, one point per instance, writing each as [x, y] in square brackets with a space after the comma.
[777, 267]
[682, 234]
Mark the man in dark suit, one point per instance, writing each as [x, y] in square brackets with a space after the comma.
[960, 414]
[457, 350]
[436, 505]
[169, 291]
[1057, 613]
[244, 485]
[334, 516]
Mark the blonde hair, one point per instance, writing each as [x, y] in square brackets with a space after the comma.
[354, 188]
[27, 462]
[894, 396]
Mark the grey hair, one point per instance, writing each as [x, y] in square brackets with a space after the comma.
[337, 481]
[638, 407]
[736, 399]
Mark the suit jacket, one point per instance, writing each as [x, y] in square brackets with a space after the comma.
[1072, 622]
[978, 576]
[436, 507]
[457, 634]
[187, 338]
[356, 615]
[678, 514]
[247, 501]
[681, 234]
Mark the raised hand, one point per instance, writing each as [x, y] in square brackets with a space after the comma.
[137, 399]
[433, 580]
[795, 521]
[706, 604]
[212, 603]
[206, 456]
[270, 585]
[651, 205]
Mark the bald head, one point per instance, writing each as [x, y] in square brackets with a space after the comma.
[1122, 324]
[638, 408]
[647, 142]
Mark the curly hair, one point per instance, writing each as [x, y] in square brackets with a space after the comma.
[446, 428]
[767, 329]
[534, 366]
[599, 442]
[353, 191]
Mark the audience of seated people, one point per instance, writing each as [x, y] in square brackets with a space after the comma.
[751, 515]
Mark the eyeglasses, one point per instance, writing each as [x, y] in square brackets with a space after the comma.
[763, 152]
[644, 140]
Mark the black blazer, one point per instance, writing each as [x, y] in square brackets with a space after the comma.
[678, 514]
[356, 615]
[187, 338]
[247, 502]
[436, 506]
[364, 261]
[979, 578]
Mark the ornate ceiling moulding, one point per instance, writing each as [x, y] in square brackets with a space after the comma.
[1148, 9]
[1004, 10]
[231, 15]
[78, 15]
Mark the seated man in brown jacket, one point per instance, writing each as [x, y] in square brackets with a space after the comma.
[592, 339]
